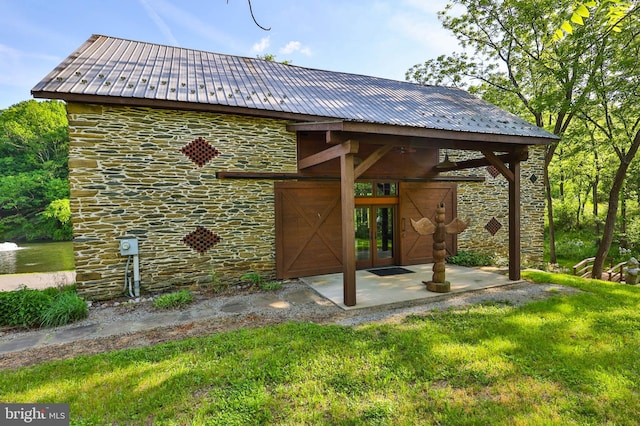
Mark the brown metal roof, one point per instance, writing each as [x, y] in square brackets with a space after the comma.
[113, 70]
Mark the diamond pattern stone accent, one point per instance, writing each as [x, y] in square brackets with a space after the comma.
[533, 178]
[200, 151]
[493, 171]
[201, 239]
[493, 226]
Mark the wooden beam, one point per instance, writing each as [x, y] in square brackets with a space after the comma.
[371, 160]
[258, 175]
[481, 162]
[300, 176]
[514, 222]
[348, 147]
[499, 164]
[347, 197]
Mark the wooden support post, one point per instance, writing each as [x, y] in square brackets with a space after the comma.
[514, 221]
[347, 196]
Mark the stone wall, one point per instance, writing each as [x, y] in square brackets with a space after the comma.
[484, 205]
[128, 177]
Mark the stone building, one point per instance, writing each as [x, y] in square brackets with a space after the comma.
[216, 165]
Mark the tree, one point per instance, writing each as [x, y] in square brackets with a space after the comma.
[510, 50]
[616, 12]
[614, 111]
[34, 145]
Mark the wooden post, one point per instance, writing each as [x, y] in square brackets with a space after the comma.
[347, 196]
[514, 221]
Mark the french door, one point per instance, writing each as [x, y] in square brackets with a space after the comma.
[375, 236]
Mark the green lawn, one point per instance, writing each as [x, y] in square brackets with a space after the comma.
[568, 360]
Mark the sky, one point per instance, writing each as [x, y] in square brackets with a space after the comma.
[381, 38]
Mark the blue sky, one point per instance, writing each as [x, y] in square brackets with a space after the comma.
[381, 38]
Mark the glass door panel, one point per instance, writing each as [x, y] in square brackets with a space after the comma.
[384, 236]
[363, 236]
[374, 236]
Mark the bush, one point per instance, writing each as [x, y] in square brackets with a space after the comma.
[23, 307]
[174, 300]
[47, 308]
[66, 307]
[467, 258]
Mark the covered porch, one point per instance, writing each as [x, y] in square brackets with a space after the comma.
[341, 141]
[374, 290]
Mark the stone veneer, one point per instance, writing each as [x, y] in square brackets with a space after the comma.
[129, 178]
[479, 202]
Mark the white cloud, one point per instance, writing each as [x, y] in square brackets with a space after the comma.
[185, 19]
[295, 46]
[160, 23]
[262, 45]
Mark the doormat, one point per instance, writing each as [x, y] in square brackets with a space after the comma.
[383, 272]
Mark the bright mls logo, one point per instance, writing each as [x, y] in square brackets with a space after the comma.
[34, 414]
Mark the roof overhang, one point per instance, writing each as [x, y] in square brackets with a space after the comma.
[339, 130]
[176, 105]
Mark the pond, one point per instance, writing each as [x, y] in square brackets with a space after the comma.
[37, 257]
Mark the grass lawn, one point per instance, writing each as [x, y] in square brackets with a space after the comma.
[568, 360]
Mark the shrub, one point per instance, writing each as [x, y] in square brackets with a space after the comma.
[66, 307]
[467, 258]
[174, 300]
[254, 278]
[23, 307]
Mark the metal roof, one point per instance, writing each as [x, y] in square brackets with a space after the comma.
[134, 71]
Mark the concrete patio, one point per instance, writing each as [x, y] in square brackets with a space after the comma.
[373, 290]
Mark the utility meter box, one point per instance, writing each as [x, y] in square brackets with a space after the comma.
[129, 246]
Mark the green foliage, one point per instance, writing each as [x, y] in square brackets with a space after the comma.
[23, 307]
[253, 277]
[216, 284]
[271, 285]
[176, 300]
[50, 307]
[617, 11]
[33, 171]
[66, 307]
[56, 220]
[467, 258]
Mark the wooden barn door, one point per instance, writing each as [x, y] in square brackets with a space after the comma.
[418, 200]
[308, 228]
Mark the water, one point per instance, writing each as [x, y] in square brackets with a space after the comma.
[37, 257]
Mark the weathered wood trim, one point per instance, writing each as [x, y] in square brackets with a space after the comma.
[422, 132]
[347, 195]
[514, 222]
[299, 176]
[377, 201]
[348, 147]
[482, 162]
[498, 164]
[371, 160]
